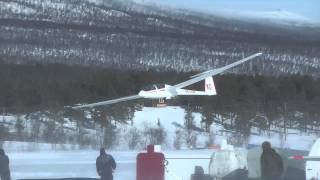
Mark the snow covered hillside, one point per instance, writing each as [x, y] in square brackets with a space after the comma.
[131, 36]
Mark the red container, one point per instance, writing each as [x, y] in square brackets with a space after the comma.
[150, 165]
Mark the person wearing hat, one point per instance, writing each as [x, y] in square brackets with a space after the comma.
[271, 163]
[105, 165]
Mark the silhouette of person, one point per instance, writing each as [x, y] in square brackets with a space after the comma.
[4, 166]
[105, 165]
[271, 163]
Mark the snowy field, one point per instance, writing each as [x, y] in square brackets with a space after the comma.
[81, 163]
[41, 160]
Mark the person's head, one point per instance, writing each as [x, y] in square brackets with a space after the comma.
[266, 145]
[102, 151]
[1, 151]
[150, 148]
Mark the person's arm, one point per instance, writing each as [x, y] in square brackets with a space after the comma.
[262, 167]
[113, 163]
[281, 166]
[98, 167]
[7, 160]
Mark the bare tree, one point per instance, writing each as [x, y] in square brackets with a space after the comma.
[134, 138]
[177, 143]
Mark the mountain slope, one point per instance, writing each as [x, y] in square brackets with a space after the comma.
[126, 35]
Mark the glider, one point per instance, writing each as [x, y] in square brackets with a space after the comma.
[160, 91]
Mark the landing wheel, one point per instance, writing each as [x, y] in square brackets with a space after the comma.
[160, 103]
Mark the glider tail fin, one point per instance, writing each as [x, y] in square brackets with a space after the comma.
[210, 88]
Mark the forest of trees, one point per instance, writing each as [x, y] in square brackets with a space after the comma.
[46, 91]
[31, 87]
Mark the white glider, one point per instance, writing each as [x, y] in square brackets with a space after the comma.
[161, 91]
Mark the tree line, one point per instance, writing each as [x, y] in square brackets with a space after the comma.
[35, 86]
[242, 101]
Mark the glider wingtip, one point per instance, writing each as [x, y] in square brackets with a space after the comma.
[259, 53]
[76, 107]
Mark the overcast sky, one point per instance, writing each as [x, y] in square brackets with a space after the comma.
[308, 9]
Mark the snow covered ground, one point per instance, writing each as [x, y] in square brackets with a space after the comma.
[41, 160]
[81, 163]
[170, 118]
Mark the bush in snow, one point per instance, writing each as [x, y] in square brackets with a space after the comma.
[4, 132]
[19, 128]
[110, 136]
[154, 135]
[211, 138]
[48, 131]
[189, 118]
[191, 139]
[178, 140]
[134, 138]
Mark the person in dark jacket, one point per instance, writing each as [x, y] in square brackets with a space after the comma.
[271, 163]
[105, 165]
[4, 166]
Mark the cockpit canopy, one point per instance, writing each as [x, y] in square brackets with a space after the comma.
[153, 87]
